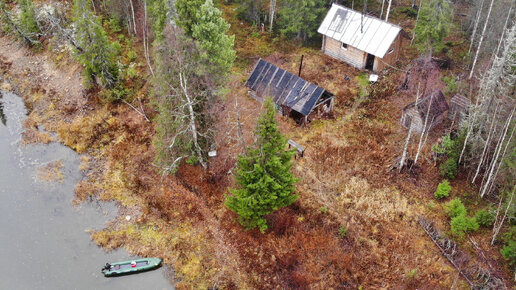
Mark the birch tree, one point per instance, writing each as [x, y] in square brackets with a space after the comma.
[183, 97]
[481, 39]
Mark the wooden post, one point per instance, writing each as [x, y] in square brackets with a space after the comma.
[301, 65]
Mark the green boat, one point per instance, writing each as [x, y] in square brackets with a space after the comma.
[130, 267]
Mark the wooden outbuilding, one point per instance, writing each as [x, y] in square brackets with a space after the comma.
[459, 108]
[293, 95]
[362, 41]
[415, 114]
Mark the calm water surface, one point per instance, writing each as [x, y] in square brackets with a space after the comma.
[43, 238]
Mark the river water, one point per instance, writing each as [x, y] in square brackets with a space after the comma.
[43, 238]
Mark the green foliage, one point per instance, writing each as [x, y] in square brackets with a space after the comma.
[449, 168]
[435, 20]
[182, 96]
[509, 249]
[343, 231]
[443, 190]
[27, 18]
[114, 24]
[455, 208]
[451, 149]
[252, 11]
[132, 55]
[189, 14]
[412, 274]
[263, 174]
[301, 18]
[324, 209]
[158, 10]
[98, 56]
[451, 84]
[409, 11]
[462, 224]
[211, 32]
[485, 218]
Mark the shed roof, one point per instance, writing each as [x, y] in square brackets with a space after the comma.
[285, 88]
[436, 101]
[343, 24]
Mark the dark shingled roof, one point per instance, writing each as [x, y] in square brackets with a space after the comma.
[285, 88]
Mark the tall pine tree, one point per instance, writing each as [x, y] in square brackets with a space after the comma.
[263, 175]
[98, 55]
[435, 20]
[301, 17]
[211, 33]
[188, 12]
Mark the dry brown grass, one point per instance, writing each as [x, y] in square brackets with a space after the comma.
[51, 172]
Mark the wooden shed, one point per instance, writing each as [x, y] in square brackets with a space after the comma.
[292, 94]
[415, 114]
[459, 108]
[363, 41]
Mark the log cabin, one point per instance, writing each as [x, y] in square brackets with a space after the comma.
[360, 40]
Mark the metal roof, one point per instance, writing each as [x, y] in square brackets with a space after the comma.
[286, 89]
[343, 24]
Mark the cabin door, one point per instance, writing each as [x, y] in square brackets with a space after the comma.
[369, 62]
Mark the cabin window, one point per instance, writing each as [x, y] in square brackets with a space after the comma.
[344, 46]
[391, 51]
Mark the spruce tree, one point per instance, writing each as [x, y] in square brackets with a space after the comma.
[435, 20]
[158, 10]
[27, 18]
[263, 175]
[211, 33]
[98, 55]
[188, 14]
[301, 17]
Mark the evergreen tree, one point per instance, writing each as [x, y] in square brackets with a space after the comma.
[98, 55]
[158, 10]
[211, 33]
[263, 175]
[301, 17]
[435, 20]
[188, 12]
[27, 18]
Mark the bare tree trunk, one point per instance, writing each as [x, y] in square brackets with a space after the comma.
[486, 145]
[388, 11]
[271, 13]
[498, 225]
[145, 40]
[405, 148]
[477, 20]
[381, 13]
[421, 137]
[134, 20]
[497, 154]
[415, 25]
[193, 126]
[503, 32]
[481, 39]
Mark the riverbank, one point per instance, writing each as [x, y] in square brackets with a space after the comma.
[116, 156]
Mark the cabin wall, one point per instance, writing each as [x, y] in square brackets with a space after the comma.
[390, 58]
[351, 55]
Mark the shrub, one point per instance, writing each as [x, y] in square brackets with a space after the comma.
[449, 168]
[485, 217]
[443, 190]
[462, 224]
[509, 252]
[343, 231]
[324, 209]
[451, 85]
[455, 208]
[132, 55]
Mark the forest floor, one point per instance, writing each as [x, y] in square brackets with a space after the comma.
[346, 179]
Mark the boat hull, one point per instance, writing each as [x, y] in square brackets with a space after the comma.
[125, 268]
